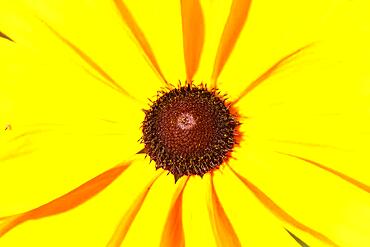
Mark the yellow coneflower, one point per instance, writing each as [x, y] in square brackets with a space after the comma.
[257, 134]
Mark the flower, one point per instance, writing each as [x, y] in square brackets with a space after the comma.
[72, 90]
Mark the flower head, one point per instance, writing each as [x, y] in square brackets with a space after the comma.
[272, 113]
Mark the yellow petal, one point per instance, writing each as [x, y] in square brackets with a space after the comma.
[252, 223]
[222, 229]
[156, 207]
[196, 221]
[66, 202]
[193, 35]
[127, 220]
[173, 232]
[323, 202]
[105, 41]
[98, 217]
[237, 17]
[274, 29]
[280, 213]
[129, 20]
[160, 21]
[56, 141]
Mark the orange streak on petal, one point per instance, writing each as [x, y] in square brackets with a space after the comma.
[350, 180]
[222, 228]
[173, 232]
[18, 152]
[109, 80]
[269, 73]
[280, 213]
[29, 133]
[139, 36]
[8, 223]
[234, 24]
[307, 144]
[193, 35]
[126, 221]
[66, 202]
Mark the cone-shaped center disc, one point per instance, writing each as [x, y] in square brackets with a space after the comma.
[189, 131]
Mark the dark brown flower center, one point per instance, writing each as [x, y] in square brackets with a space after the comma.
[189, 131]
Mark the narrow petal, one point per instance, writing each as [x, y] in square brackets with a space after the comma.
[195, 218]
[222, 228]
[3, 35]
[272, 70]
[173, 232]
[138, 34]
[234, 24]
[193, 35]
[251, 222]
[66, 202]
[280, 213]
[126, 222]
[108, 80]
[343, 176]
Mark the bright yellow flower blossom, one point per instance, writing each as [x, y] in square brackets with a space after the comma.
[76, 76]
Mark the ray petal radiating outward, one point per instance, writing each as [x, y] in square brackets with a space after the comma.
[193, 35]
[108, 80]
[129, 217]
[138, 34]
[273, 69]
[222, 229]
[4, 36]
[234, 25]
[66, 202]
[350, 180]
[173, 232]
[280, 213]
